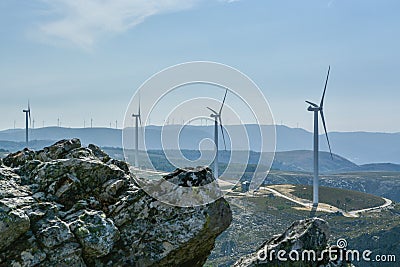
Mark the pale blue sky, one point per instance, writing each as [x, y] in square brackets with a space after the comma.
[83, 60]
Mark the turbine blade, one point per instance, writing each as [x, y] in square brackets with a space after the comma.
[223, 102]
[139, 108]
[29, 113]
[140, 117]
[222, 130]
[326, 83]
[312, 104]
[213, 111]
[326, 133]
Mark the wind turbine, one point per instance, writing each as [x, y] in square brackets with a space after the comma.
[137, 119]
[27, 123]
[217, 117]
[315, 108]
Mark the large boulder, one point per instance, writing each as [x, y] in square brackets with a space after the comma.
[68, 205]
[188, 177]
[304, 243]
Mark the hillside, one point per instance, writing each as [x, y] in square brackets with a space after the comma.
[384, 184]
[380, 167]
[379, 183]
[347, 200]
[302, 160]
[259, 217]
[296, 161]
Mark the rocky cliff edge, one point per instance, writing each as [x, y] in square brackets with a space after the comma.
[68, 205]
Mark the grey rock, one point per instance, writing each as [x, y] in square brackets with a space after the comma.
[13, 224]
[96, 233]
[11, 188]
[53, 232]
[18, 158]
[68, 205]
[97, 152]
[302, 236]
[69, 254]
[58, 150]
[25, 252]
[120, 164]
[188, 177]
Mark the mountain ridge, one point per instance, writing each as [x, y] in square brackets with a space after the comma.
[359, 147]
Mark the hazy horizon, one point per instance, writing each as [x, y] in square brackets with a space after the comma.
[192, 125]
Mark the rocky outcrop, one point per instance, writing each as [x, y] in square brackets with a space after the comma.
[304, 243]
[68, 205]
[188, 177]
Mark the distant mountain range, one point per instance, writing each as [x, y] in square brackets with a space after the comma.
[302, 160]
[358, 147]
[298, 161]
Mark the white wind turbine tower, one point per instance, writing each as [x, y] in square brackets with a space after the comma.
[315, 108]
[217, 117]
[27, 123]
[137, 119]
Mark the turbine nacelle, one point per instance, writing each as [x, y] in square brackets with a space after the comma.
[138, 116]
[28, 112]
[311, 108]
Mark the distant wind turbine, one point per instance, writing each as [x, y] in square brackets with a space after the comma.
[137, 119]
[315, 108]
[217, 118]
[27, 123]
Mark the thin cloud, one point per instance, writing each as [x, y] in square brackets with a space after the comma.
[83, 22]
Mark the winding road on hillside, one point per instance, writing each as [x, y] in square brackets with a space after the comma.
[388, 202]
[328, 208]
[153, 174]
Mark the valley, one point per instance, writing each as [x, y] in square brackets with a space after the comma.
[256, 218]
